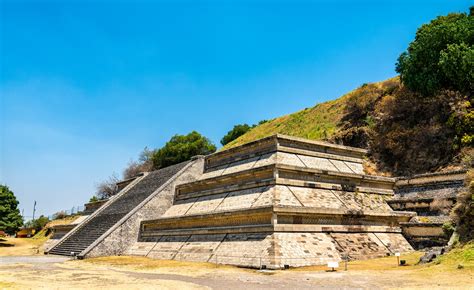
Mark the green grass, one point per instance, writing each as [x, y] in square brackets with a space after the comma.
[317, 123]
[460, 256]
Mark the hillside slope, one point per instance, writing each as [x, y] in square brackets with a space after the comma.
[405, 132]
[320, 122]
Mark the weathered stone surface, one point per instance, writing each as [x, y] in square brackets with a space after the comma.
[431, 196]
[123, 236]
[303, 204]
[115, 227]
[274, 202]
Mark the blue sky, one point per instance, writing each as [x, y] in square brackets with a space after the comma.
[86, 85]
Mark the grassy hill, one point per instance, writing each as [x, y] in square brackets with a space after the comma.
[404, 132]
[320, 122]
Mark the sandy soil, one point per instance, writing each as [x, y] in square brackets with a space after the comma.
[21, 247]
[19, 269]
[47, 272]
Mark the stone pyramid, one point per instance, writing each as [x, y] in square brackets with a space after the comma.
[278, 201]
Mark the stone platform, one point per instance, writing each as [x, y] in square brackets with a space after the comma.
[278, 201]
[431, 196]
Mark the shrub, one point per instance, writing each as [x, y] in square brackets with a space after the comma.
[181, 148]
[235, 133]
[463, 210]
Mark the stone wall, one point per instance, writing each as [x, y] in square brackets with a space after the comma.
[274, 250]
[431, 196]
[91, 207]
[125, 233]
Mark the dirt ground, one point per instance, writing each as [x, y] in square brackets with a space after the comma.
[21, 247]
[54, 272]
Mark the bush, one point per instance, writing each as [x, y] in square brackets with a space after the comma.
[181, 148]
[38, 224]
[144, 164]
[235, 133]
[60, 215]
[463, 211]
[412, 134]
[448, 229]
[94, 199]
[107, 188]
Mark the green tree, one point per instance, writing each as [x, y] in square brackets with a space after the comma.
[441, 56]
[235, 133]
[94, 199]
[181, 148]
[10, 218]
[38, 224]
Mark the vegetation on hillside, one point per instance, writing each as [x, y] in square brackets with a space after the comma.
[10, 218]
[318, 122]
[463, 211]
[441, 56]
[237, 131]
[37, 224]
[422, 121]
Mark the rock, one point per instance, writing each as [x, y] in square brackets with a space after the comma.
[431, 254]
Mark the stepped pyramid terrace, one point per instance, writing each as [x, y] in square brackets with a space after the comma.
[278, 201]
[275, 202]
[431, 196]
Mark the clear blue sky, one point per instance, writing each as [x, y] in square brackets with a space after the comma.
[86, 85]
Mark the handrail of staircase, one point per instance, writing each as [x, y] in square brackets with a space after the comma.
[95, 213]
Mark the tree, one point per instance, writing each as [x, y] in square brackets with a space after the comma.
[181, 148]
[107, 188]
[38, 224]
[238, 131]
[94, 199]
[143, 164]
[235, 133]
[10, 218]
[441, 56]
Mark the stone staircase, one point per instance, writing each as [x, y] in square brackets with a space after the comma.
[85, 234]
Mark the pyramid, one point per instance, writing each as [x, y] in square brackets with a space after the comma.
[276, 202]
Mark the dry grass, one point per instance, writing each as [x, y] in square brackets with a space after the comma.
[22, 246]
[385, 263]
[64, 221]
[30, 246]
[317, 123]
[6, 285]
[145, 264]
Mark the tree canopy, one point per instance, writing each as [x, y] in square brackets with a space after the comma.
[38, 224]
[235, 133]
[181, 148]
[10, 218]
[441, 56]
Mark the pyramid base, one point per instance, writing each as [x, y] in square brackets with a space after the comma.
[275, 250]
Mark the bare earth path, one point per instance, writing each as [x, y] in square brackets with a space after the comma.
[53, 272]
